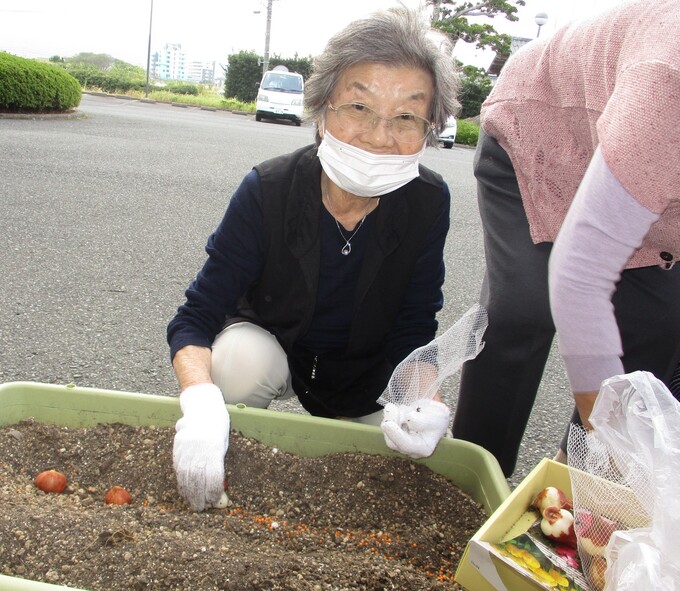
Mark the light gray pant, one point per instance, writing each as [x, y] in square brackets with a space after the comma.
[250, 367]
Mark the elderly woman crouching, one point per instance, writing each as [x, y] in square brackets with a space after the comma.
[326, 270]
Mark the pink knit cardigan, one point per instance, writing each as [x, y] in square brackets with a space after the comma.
[613, 80]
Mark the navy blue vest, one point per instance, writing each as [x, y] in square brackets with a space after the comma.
[343, 383]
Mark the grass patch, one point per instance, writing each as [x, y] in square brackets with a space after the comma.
[204, 99]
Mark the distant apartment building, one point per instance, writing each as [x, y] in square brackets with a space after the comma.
[169, 64]
[172, 64]
[201, 72]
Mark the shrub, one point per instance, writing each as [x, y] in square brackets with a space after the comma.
[33, 87]
[111, 82]
[103, 72]
[475, 87]
[183, 88]
[468, 133]
[243, 74]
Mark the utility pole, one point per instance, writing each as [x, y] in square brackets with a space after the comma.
[265, 62]
[435, 10]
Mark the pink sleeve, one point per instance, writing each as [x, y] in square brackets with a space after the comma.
[637, 132]
[604, 227]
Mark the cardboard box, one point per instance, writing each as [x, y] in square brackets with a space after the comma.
[470, 467]
[479, 569]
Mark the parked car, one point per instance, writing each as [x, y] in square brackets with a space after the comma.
[448, 137]
[280, 96]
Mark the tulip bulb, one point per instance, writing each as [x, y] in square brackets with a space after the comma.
[594, 531]
[551, 497]
[558, 525]
[223, 502]
[596, 573]
[117, 495]
[51, 481]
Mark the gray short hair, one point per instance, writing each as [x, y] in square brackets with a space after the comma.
[394, 37]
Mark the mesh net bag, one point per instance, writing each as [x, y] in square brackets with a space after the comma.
[605, 487]
[625, 475]
[422, 373]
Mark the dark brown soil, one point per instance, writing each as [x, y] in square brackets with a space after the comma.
[341, 522]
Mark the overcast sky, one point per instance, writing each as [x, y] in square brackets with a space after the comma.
[212, 29]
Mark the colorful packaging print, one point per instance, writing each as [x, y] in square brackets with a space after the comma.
[555, 567]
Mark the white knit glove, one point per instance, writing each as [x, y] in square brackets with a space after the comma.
[415, 429]
[201, 442]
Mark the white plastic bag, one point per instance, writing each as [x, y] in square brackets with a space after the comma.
[626, 471]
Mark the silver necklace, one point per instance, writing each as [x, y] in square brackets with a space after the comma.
[347, 248]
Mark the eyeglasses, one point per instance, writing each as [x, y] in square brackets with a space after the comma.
[358, 118]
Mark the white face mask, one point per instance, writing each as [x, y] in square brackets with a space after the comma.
[364, 174]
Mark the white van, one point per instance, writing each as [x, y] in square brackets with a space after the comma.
[448, 137]
[280, 96]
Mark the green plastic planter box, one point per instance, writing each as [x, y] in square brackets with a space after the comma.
[468, 466]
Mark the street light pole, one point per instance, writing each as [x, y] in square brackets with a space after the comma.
[148, 51]
[540, 19]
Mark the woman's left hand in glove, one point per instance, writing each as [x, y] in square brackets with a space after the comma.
[415, 429]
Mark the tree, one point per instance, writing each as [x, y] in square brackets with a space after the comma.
[451, 17]
[301, 65]
[474, 88]
[101, 61]
[97, 70]
[242, 75]
[122, 68]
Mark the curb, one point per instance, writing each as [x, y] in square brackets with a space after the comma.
[44, 116]
[81, 115]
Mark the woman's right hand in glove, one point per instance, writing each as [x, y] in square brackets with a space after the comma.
[201, 443]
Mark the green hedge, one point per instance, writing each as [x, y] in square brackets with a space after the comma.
[117, 82]
[29, 86]
[467, 133]
[185, 88]
[120, 82]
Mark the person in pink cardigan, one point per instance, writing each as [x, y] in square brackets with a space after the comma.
[578, 170]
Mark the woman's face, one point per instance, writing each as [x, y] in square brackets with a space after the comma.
[388, 91]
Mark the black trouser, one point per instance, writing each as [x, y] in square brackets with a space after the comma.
[499, 386]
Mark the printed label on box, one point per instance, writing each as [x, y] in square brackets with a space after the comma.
[554, 567]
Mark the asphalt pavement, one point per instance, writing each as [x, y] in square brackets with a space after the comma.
[104, 222]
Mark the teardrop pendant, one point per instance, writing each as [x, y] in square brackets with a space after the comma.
[347, 248]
